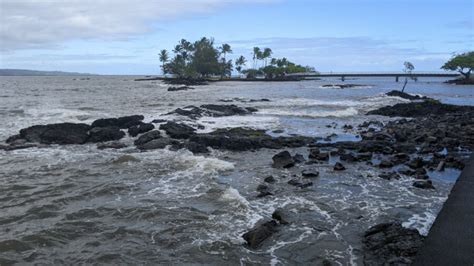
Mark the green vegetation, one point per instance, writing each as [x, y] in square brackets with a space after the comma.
[201, 59]
[462, 63]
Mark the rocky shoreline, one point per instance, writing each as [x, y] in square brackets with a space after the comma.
[428, 136]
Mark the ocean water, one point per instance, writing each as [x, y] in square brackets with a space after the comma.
[77, 204]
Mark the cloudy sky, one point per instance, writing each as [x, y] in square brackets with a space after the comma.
[124, 37]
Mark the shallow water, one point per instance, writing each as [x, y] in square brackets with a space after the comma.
[78, 204]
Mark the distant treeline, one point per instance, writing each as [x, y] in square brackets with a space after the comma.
[25, 72]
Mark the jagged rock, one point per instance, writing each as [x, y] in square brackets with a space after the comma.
[196, 148]
[177, 131]
[103, 134]
[140, 129]
[123, 122]
[149, 136]
[264, 191]
[421, 109]
[386, 164]
[260, 233]
[63, 133]
[391, 244]
[283, 160]
[243, 139]
[214, 110]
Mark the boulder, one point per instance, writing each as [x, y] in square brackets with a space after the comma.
[391, 244]
[140, 129]
[196, 148]
[177, 131]
[103, 134]
[283, 160]
[260, 233]
[123, 122]
[63, 133]
[281, 216]
[264, 191]
[159, 143]
[149, 136]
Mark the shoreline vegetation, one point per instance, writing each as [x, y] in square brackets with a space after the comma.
[201, 62]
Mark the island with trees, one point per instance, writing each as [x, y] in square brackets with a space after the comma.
[464, 64]
[201, 61]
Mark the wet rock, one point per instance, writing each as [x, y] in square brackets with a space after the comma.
[103, 134]
[159, 121]
[140, 129]
[294, 182]
[306, 185]
[177, 131]
[339, 167]
[264, 191]
[269, 179]
[243, 139]
[123, 122]
[63, 133]
[309, 173]
[149, 136]
[283, 160]
[348, 157]
[196, 148]
[159, 143]
[111, 145]
[214, 110]
[391, 244]
[181, 88]
[423, 184]
[13, 147]
[389, 176]
[421, 109]
[260, 233]
[405, 95]
[299, 158]
[316, 154]
[281, 216]
[416, 163]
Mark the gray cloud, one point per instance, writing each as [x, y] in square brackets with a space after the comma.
[43, 24]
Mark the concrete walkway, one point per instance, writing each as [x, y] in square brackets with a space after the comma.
[451, 239]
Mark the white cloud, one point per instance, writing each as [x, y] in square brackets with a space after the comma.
[46, 23]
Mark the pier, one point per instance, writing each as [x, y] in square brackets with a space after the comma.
[395, 75]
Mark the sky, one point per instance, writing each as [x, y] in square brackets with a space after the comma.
[120, 37]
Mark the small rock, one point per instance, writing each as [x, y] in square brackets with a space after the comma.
[423, 184]
[260, 233]
[283, 160]
[309, 173]
[339, 167]
[389, 176]
[440, 167]
[299, 158]
[269, 179]
[281, 216]
[294, 182]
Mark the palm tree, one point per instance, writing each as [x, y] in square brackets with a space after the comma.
[239, 63]
[259, 56]
[273, 62]
[267, 52]
[225, 48]
[163, 58]
[256, 52]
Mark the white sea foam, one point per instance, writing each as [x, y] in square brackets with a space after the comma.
[421, 222]
[351, 111]
[250, 121]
